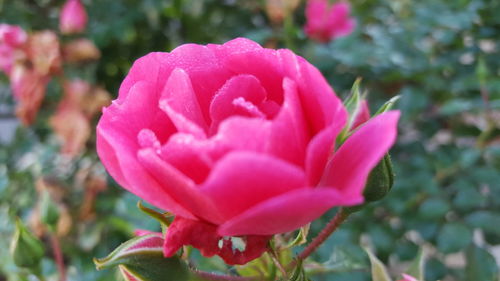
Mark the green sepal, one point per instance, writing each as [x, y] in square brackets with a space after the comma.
[378, 269]
[163, 218]
[26, 250]
[352, 104]
[387, 105]
[416, 268]
[301, 237]
[298, 273]
[142, 257]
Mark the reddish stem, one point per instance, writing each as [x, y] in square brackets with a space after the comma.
[332, 225]
[58, 256]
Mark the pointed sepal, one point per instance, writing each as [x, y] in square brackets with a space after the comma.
[141, 259]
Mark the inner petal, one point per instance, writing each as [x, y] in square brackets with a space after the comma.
[241, 86]
[245, 107]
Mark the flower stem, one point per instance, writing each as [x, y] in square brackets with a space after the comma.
[220, 277]
[332, 225]
[58, 256]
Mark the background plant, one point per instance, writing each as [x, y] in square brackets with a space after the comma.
[441, 57]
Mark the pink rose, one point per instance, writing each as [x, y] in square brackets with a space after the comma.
[73, 18]
[12, 39]
[236, 140]
[326, 22]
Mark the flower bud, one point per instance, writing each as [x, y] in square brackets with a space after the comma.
[141, 259]
[380, 180]
[379, 183]
[73, 17]
[26, 249]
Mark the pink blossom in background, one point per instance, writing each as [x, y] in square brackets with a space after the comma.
[12, 39]
[408, 278]
[73, 18]
[28, 88]
[236, 140]
[327, 21]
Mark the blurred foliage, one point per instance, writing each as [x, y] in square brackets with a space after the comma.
[441, 56]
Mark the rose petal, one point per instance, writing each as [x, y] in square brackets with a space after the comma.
[289, 127]
[320, 149]
[349, 168]
[286, 212]
[178, 186]
[245, 86]
[319, 102]
[179, 94]
[241, 180]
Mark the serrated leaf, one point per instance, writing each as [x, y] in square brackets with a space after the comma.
[379, 271]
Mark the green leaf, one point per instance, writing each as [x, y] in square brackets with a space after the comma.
[481, 265]
[453, 237]
[26, 250]
[488, 221]
[379, 271]
[416, 268]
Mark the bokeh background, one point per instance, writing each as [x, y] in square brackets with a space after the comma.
[442, 57]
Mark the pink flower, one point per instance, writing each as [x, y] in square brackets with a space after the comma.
[12, 39]
[325, 22]
[236, 140]
[408, 278]
[28, 88]
[73, 17]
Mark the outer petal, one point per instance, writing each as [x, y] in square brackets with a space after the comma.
[178, 186]
[319, 102]
[241, 180]
[286, 212]
[319, 150]
[146, 69]
[349, 168]
[117, 146]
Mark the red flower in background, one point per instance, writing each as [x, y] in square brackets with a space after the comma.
[236, 140]
[327, 21]
[73, 18]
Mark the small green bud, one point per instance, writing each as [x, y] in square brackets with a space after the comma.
[379, 181]
[141, 259]
[49, 212]
[26, 250]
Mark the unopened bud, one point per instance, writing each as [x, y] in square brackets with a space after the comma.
[141, 259]
[380, 180]
[26, 250]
